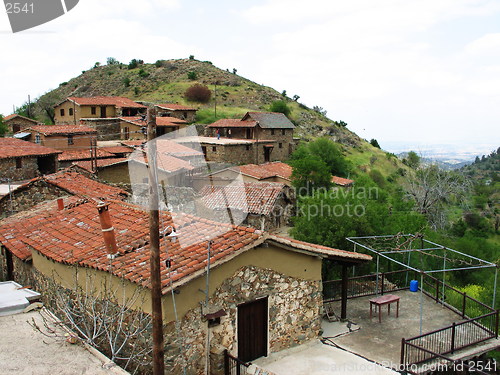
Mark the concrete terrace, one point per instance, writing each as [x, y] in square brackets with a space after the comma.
[381, 342]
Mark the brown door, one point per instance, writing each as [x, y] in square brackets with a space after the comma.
[252, 330]
[267, 154]
[103, 111]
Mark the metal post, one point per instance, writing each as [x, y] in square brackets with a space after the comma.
[154, 235]
[463, 305]
[207, 365]
[444, 276]
[345, 280]
[495, 289]
[453, 337]
[376, 286]
[421, 299]
[403, 342]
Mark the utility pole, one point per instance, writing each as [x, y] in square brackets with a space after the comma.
[154, 241]
[215, 101]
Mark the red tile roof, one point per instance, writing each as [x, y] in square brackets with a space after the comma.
[101, 163]
[172, 148]
[342, 181]
[134, 142]
[117, 149]
[232, 123]
[175, 107]
[252, 197]
[62, 129]
[160, 121]
[165, 162]
[73, 236]
[14, 148]
[83, 154]
[14, 115]
[117, 101]
[268, 170]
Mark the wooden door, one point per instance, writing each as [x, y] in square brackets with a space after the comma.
[252, 330]
[103, 111]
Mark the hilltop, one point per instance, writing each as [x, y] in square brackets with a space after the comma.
[167, 80]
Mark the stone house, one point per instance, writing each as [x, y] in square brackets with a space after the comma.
[113, 170]
[135, 127]
[264, 291]
[260, 126]
[61, 184]
[99, 112]
[261, 205]
[61, 137]
[267, 172]
[179, 111]
[21, 160]
[17, 123]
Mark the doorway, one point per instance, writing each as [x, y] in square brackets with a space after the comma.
[252, 330]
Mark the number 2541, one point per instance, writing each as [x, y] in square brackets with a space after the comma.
[17, 8]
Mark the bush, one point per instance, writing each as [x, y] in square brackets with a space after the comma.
[112, 61]
[192, 76]
[134, 63]
[143, 73]
[374, 143]
[159, 63]
[191, 57]
[126, 81]
[136, 90]
[280, 106]
[3, 127]
[198, 93]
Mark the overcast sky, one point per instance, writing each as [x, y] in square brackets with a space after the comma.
[421, 72]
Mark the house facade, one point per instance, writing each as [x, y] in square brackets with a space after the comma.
[17, 123]
[259, 126]
[62, 137]
[264, 291]
[21, 160]
[135, 127]
[178, 111]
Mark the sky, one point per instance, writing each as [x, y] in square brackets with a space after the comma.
[417, 73]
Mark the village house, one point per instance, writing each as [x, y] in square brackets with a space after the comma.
[135, 127]
[61, 137]
[342, 182]
[61, 184]
[17, 123]
[268, 172]
[99, 112]
[113, 170]
[68, 157]
[21, 160]
[264, 291]
[259, 126]
[179, 111]
[261, 205]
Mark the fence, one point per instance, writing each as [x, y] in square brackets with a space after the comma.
[234, 366]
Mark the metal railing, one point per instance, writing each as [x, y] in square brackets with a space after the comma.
[233, 365]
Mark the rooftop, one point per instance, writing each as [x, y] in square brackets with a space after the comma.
[270, 120]
[14, 148]
[175, 107]
[267, 170]
[15, 115]
[101, 163]
[233, 123]
[117, 149]
[221, 141]
[83, 154]
[62, 129]
[160, 121]
[342, 181]
[117, 101]
[253, 197]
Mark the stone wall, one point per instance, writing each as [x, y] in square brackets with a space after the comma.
[293, 319]
[108, 129]
[24, 199]
[9, 170]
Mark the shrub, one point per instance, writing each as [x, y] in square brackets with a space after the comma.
[136, 90]
[374, 143]
[126, 81]
[191, 57]
[159, 63]
[198, 93]
[280, 106]
[134, 63]
[112, 61]
[192, 76]
[142, 73]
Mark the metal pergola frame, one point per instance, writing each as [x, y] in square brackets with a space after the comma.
[431, 246]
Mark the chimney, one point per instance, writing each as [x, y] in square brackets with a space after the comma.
[108, 232]
[60, 204]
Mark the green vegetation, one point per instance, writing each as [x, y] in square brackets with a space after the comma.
[192, 75]
[280, 106]
[3, 127]
[374, 143]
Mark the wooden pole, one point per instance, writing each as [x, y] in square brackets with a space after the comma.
[154, 238]
[345, 280]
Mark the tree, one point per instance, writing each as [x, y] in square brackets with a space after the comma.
[198, 93]
[192, 75]
[280, 106]
[330, 154]
[309, 174]
[235, 70]
[296, 97]
[112, 61]
[374, 143]
[320, 110]
[3, 127]
[126, 81]
[431, 187]
[134, 63]
[412, 160]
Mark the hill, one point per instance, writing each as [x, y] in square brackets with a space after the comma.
[232, 95]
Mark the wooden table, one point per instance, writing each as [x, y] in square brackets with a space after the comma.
[384, 300]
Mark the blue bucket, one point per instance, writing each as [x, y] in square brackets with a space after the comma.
[414, 286]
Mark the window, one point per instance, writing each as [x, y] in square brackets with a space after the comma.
[70, 111]
[280, 145]
[93, 110]
[70, 139]
[38, 139]
[19, 163]
[283, 131]
[214, 149]
[62, 111]
[247, 147]
[272, 131]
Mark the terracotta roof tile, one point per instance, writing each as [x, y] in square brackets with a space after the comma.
[165, 162]
[233, 123]
[250, 197]
[62, 129]
[117, 149]
[83, 154]
[341, 181]
[175, 107]
[263, 171]
[117, 101]
[101, 163]
[13, 148]
[14, 115]
[160, 121]
[168, 147]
